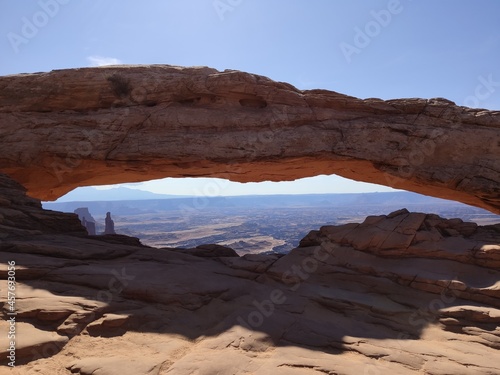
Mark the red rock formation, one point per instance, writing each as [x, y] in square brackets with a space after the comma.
[403, 293]
[421, 237]
[23, 216]
[79, 127]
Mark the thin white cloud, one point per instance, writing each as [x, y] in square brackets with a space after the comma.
[103, 61]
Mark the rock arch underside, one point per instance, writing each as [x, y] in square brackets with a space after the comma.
[401, 293]
[91, 126]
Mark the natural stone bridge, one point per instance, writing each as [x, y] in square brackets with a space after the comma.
[71, 128]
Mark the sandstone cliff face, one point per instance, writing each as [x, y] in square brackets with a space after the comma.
[404, 293]
[79, 127]
[22, 216]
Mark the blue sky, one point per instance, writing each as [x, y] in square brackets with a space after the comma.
[385, 49]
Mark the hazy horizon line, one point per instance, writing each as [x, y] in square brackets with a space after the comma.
[180, 196]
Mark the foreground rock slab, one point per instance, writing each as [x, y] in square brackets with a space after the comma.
[71, 128]
[354, 299]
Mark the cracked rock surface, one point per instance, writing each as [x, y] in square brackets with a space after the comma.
[403, 293]
[77, 127]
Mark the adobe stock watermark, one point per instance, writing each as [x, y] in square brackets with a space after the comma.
[30, 26]
[420, 151]
[372, 29]
[419, 319]
[293, 277]
[221, 7]
[249, 150]
[116, 284]
[201, 199]
[104, 137]
[93, 139]
[483, 91]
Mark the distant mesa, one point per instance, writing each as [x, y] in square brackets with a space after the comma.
[91, 194]
[87, 220]
[90, 224]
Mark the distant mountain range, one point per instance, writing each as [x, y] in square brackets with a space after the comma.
[91, 194]
[124, 201]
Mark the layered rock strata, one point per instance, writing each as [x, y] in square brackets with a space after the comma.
[23, 216]
[71, 128]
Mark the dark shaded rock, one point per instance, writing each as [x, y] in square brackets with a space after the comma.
[21, 215]
[311, 239]
[119, 239]
[210, 251]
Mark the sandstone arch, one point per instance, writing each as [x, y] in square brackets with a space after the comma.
[78, 127]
